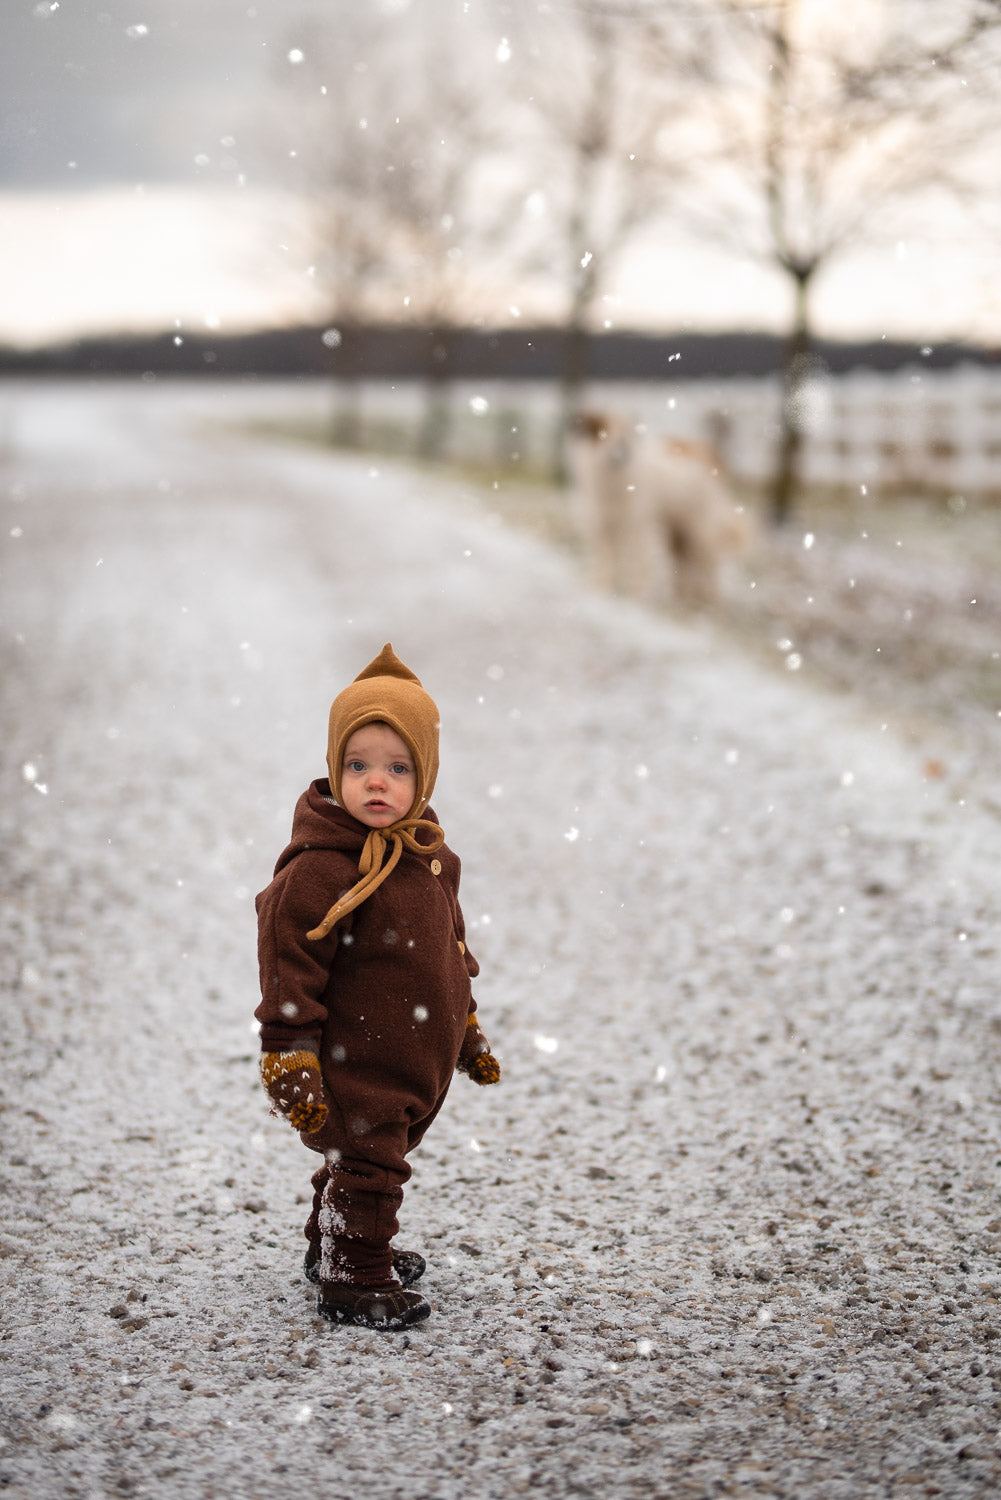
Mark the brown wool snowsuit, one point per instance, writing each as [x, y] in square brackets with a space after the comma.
[383, 999]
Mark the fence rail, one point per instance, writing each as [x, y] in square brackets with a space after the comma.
[916, 430]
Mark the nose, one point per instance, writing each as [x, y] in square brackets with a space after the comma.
[376, 778]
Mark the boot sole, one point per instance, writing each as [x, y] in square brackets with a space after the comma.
[389, 1324]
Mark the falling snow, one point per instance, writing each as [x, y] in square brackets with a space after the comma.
[729, 1223]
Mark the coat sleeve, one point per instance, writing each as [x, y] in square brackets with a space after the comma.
[295, 972]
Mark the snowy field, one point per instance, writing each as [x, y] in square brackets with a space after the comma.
[731, 1223]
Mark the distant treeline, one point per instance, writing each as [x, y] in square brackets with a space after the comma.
[401, 353]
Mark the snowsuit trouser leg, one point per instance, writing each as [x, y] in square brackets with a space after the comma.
[358, 1191]
[356, 1198]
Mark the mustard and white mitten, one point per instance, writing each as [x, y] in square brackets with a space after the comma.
[475, 1058]
[294, 1084]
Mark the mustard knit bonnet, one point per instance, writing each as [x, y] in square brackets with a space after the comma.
[385, 692]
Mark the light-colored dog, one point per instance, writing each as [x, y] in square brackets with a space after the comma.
[651, 512]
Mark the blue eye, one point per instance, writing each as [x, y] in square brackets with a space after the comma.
[354, 765]
[400, 770]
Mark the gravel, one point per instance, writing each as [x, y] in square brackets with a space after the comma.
[729, 1226]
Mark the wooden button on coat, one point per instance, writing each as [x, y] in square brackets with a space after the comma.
[462, 947]
[436, 867]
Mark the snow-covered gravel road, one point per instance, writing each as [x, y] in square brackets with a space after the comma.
[730, 1226]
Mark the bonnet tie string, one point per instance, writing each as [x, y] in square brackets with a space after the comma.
[374, 868]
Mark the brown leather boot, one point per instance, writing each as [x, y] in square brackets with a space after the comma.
[385, 1307]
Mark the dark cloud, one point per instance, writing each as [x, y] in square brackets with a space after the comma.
[131, 90]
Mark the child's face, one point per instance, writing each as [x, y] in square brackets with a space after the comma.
[378, 776]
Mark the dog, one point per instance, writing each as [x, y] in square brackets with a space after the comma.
[652, 511]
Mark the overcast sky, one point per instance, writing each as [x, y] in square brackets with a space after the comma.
[141, 151]
[102, 91]
[138, 161]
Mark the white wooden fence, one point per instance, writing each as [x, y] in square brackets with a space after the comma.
[915, 429]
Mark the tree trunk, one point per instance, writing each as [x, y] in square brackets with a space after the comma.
[575, 362]
[432, 439]
[573, 378]
[348, 360]
[795, 368]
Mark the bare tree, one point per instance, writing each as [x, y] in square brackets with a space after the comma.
[596, 112]
[339, 138]
[832, 124]
[447, 211]
[394, 133]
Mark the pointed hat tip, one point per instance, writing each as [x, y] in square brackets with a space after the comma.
[387, 664]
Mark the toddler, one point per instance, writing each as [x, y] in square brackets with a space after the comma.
[366, 1006]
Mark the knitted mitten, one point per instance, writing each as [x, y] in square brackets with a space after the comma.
[294, 1084]
[475, 1057]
